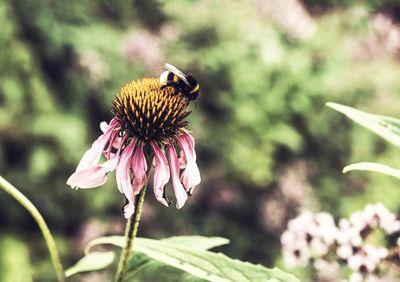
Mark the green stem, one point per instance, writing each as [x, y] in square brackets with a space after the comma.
[51, 245]
[130, 235]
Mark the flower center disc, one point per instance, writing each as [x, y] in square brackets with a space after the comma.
[149, 113]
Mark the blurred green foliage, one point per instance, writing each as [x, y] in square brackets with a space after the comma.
[261, 111]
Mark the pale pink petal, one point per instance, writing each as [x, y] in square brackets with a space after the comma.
[131, 160]
[115, 140]
[191, 175]
[114, 123]
[89, 174]
[92, 176]
[92, 156]
[180, 192]
[104, 126]
[129, 208]
[161, 174]
[182, 161]
[107, 151]
[118, 141]
[190, 140]
[123, 172]
[139, 168]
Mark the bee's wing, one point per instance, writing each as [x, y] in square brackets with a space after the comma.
[177, 72]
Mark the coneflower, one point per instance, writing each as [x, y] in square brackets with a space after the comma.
[147, 129]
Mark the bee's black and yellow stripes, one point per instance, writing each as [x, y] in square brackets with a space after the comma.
[183, 83]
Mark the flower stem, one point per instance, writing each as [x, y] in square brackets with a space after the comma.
[130, 235]
[51, 245]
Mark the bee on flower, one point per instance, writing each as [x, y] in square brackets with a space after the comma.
[147, 130]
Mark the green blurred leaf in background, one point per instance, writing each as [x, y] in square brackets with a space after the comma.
[266, 144]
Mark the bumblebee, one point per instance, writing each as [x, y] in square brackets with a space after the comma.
[182, 82]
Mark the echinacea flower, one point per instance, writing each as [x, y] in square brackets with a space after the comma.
[146, 131]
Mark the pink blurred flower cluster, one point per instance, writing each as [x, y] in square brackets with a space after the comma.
[315, 239]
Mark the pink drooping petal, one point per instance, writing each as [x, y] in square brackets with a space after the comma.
[104, 126]
[180, 192]
[92, 176]
[191, 175]
[114, 123]
[161, 174]
[123, 175]
[108, 150]
[129, 208]
[118, 141]
[182, 161]
[115, 140]
[92, 156]
[139, 168]
[190, 140]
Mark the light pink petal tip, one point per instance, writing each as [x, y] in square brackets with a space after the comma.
[92, 156]
[161, 174]
[92, 176]
[191, 175]
[180, 192]
[129, 208]
[89, 173]
[104, 126]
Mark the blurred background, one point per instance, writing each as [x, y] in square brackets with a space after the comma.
[267, 145]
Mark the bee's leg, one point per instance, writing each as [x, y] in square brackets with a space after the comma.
[176, 91]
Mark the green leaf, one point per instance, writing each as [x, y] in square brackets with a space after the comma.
[386, 127]
[90, 262]
[373, 167]
[200, 263]
[150, 269]
[197, 242]
[143, 268]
